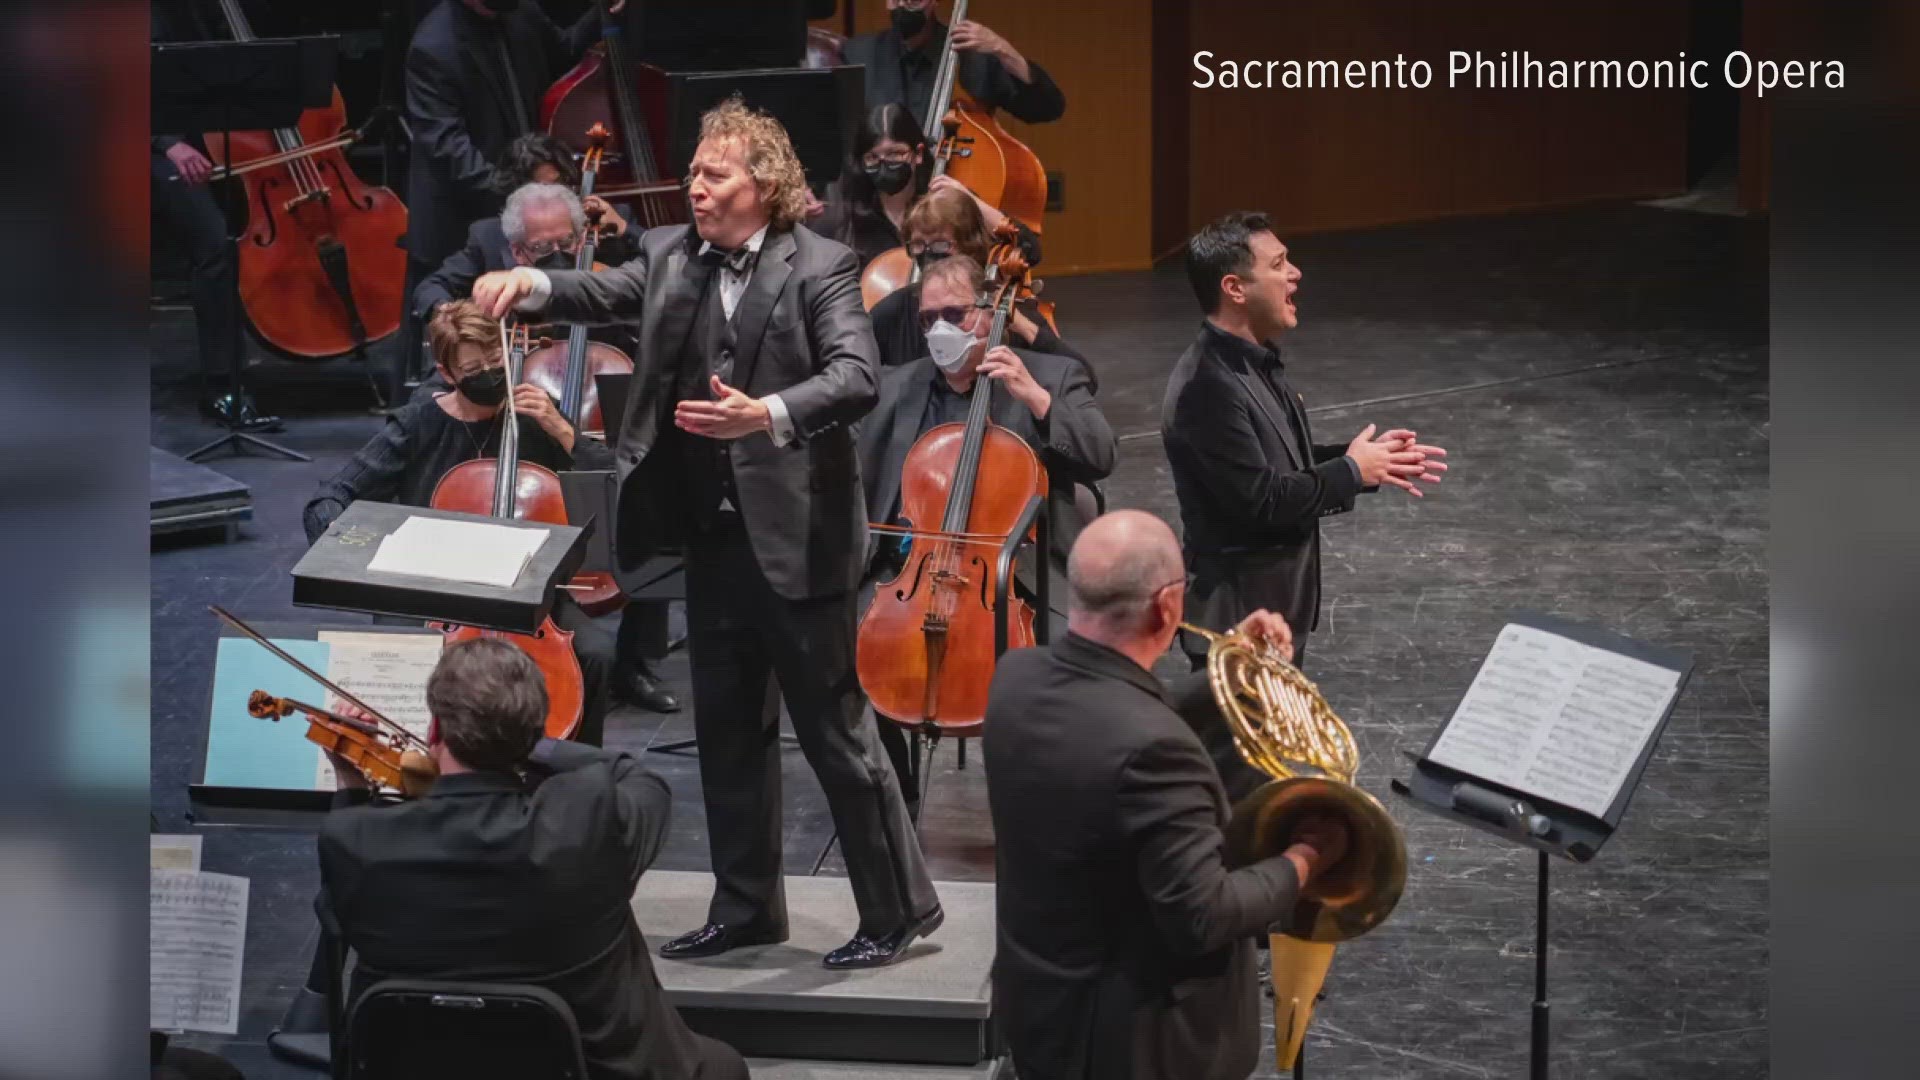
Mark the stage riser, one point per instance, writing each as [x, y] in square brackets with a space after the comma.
[819, 1036]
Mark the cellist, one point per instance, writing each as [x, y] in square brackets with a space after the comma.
[901, 59]
[1047, 401]
[430, 435]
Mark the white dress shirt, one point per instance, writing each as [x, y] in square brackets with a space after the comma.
[732, 287]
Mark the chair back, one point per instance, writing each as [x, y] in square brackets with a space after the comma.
[405, 1029]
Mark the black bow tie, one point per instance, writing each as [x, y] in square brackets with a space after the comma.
[739, 260]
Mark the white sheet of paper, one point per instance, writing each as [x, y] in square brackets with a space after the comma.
[468, 551]
[387, 671]
[173, 852]
[1556, 718]
[197, 934]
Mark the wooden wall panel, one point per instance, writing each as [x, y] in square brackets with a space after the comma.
[1336, 158]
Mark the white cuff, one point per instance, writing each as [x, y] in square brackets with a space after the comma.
[780, 423]
[542, 291]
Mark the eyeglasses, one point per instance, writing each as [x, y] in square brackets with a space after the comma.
[872, 161]
[548, 247]
[955, 315]
[920, 250]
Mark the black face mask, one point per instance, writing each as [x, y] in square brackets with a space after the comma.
[909, 21]
[555, 260]
[485, 388]
[889, 177]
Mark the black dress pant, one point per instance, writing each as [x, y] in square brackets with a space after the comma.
[739, 631]
[643, 631]
[1239, 778]
[595, 649]
[191, 214]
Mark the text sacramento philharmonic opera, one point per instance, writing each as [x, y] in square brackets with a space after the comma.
[1517, 70]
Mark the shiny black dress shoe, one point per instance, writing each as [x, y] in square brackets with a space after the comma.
[716, 938]
[635, 685]
[871, 951]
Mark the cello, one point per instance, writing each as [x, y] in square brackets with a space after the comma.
[506, 487]
[970, 146]
[925, 654]
[566, 373]
[321, 268]
[602, 89]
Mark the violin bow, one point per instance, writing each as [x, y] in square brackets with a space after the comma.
[261, 640]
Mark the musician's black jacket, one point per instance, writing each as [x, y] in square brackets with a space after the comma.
[461, 110]
[896, 73]
[1251, 483]
[1125, 945]
[493, 878]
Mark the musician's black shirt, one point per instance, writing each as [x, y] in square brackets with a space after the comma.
[897, 73]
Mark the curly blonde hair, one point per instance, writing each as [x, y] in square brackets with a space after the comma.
[769, 153]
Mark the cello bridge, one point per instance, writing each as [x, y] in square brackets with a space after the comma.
[323, 193]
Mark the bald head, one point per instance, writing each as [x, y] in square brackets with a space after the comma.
[1119, 564]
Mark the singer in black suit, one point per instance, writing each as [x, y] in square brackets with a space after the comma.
[1251, 482]
[517, 866]
[756, 361]
[1125, 945]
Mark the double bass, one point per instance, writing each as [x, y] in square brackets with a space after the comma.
[506, 487]
[970, 146]
[604, 89]
[925, 653]
[321, 268]
[566, 371]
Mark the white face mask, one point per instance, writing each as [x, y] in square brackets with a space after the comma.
[949, 346]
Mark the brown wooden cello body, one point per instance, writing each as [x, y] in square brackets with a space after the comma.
[321, 268]
[507, 487]
[925, 654]
[994, 165]
[629, 100]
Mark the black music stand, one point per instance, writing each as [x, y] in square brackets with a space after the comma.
[820, 108]
[230, 86]
[1528, 819]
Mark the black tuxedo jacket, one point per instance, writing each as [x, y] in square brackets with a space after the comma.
[1074, 442]
[461, 111]
[1250, 502]
[489, 878]
[802, 333]
[1125, 944]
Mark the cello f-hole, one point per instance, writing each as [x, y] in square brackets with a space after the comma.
[264, 237]
[340, 184]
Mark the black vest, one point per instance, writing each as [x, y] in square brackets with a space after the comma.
[709, 351]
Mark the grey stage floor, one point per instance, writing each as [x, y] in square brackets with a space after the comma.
[1600, 377]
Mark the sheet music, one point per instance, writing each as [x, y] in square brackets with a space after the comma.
[173, 852]
[387, 671]
[197, 934]
[467, 551]
[1556, 718]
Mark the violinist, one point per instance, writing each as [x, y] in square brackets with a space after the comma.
[866, 209]
[950, 221]
[1046, 400]
[431, 434]
[517, 865]
[900, 63]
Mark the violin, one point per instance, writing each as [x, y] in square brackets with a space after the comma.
[506, 487]
[566, 373]
[604, 89]
[925, 654]
[321, 268]
[390, 757]
[374, 753]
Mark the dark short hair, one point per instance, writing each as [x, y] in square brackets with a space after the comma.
[961, 268]
[527, 153]
[490, 703]
[1220, 248]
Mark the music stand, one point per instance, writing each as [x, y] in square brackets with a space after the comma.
[229, 86]
[1513, 811]
[820, 108]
